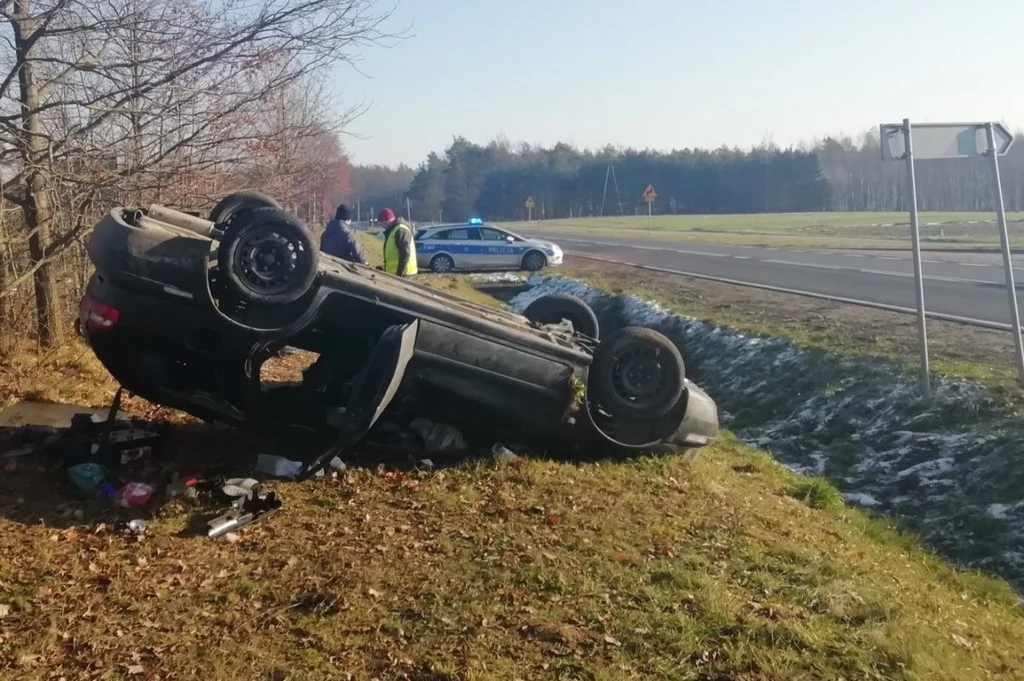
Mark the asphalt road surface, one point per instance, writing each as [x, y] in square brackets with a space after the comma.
[964, 284]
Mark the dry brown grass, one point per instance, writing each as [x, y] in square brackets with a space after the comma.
[658, 568]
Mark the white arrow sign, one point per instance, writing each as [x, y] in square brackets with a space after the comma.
[942, 140]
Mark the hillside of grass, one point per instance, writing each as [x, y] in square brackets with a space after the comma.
[721, 565]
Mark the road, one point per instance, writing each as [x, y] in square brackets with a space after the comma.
[961, 284]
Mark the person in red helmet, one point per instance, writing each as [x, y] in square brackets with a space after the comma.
[399, 247]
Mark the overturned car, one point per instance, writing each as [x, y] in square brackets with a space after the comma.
[184, 311]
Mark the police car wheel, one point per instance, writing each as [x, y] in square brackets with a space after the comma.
[266, 256]
[534, 261]
[637, 373]
[442, 263]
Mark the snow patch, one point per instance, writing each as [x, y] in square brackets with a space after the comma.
[497, 278]
[939, 464]
[861, 499]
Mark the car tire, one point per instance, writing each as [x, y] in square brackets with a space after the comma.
[534, 261]
[442, 264]
[637, 372]
[240, 201]
[553, 308]
[254, 235]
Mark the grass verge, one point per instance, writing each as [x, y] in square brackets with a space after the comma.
[719, 566]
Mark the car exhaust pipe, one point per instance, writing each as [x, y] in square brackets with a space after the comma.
[192, 223]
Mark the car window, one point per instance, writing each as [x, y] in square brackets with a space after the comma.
[454, 235]
[488, 234]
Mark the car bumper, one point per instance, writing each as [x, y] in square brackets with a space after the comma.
[700, 424]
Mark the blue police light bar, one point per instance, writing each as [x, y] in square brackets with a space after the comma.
[476, 221]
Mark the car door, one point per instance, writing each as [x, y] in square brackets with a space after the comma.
[460, 243]
[499, 251]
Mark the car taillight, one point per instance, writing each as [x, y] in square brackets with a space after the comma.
[96, 316]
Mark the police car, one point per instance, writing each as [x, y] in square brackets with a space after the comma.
[473, 246]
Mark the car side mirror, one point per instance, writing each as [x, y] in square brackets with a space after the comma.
[509, 239]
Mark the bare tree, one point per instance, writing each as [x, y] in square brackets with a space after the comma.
[129, 97]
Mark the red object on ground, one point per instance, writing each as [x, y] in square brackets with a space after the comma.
[135, 494]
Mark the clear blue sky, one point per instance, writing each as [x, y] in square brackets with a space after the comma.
[678, 73]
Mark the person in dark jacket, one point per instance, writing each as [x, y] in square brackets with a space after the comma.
[340, 240]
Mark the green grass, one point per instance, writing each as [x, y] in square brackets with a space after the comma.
[817, 493]
[656, 568]
[722, 565]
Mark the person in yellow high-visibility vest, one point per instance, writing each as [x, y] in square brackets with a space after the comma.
[399, 246]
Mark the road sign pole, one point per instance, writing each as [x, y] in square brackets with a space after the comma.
[649, 218]
[1004, 239]
[915, 238]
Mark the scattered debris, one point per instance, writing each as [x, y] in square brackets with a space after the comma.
[182, 487]
[134, 495]
[244, 511]
[88, 477]
[239, 487]
[138, 525]
[278, 466]
[502, 453]
[438, 437]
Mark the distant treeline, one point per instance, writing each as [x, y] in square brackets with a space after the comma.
[835, 174]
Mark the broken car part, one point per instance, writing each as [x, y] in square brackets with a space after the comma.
[244, 511]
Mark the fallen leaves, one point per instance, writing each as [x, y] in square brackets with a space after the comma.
[569, 635]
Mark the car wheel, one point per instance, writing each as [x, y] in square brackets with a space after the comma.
[240, 201]
[267, 256]
[442, 264]
[637, 373]
[534, 261]
[553, 308]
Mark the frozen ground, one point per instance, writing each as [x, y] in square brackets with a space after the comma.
[948, 467]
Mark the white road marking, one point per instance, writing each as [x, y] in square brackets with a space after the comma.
[710, 255]
[742, 257]
[955, 280]
[973, 264]
[804, 264]
[887, 272]
[888, 257]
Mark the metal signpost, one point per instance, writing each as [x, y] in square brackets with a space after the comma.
[926, 141]
[530, 204]
[649, 196]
